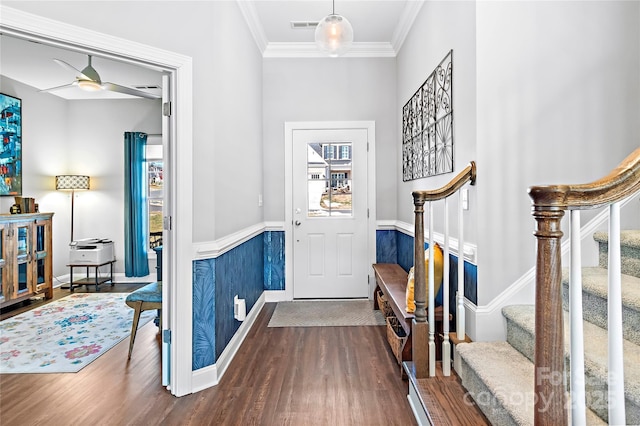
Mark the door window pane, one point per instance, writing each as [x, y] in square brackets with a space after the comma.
[329, 186]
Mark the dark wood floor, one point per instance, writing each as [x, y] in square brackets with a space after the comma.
[280, 376]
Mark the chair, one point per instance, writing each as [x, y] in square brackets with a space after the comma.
[144, 299]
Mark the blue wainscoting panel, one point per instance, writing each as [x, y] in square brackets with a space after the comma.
[204, 308]
[405, 250]
[240, 272]
[274, 260]
[386, 247]
[404, 257]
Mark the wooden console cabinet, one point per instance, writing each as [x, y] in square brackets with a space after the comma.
[26, 263]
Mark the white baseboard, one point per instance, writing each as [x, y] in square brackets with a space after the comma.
[204, 378]
[276, 296]
[210, 376]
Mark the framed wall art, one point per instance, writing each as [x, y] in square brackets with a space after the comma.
[427, 125]
[11, 147]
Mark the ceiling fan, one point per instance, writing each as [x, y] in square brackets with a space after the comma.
[88, 79]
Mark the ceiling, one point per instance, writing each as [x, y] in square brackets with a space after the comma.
[379, 29]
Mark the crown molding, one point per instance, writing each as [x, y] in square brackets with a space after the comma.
[409, 14]
[310, 50]
[250, 14]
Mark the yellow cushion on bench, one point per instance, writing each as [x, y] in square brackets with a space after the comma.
[437, 275]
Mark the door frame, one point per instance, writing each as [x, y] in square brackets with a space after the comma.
[20, 24]
[289, 127]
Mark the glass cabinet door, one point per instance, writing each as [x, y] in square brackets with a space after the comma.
[23, 257]
[40, 240]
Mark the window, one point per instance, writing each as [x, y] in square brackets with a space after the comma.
[329, 152]
[155, 191]
[329, 191]
[344, 152]
[339, 180]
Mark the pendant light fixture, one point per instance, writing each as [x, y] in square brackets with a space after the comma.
[334, 34]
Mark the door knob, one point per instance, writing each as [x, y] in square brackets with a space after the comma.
[298, 223]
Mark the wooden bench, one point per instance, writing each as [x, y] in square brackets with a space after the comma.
[391, 279]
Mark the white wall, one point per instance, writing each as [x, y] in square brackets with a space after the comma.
[79, 137]
[96, 148]
[44, 148]
[227, 127]
[544, 92]
[331, 89]
[237, 131]
[438, 28]
[558, 101]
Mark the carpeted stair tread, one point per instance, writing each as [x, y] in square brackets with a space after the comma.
[499, 370]
[503, 371]
[595, 279]
[596, 348]
[629, 251]
[594, 300]
[628, 237]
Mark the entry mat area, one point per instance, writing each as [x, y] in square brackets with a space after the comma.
[326, 313]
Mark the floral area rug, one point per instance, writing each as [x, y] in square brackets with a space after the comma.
[66, 335]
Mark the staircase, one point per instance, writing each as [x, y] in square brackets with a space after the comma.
[500, 375]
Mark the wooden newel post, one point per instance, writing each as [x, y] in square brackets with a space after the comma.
[550, 398]
[419, 327]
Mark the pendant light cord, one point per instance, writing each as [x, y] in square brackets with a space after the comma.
[333, 7]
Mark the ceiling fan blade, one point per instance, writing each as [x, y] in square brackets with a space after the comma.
[75, 83]
[79, 73]
[128, 90]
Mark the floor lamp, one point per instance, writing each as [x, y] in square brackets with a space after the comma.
[72, 183]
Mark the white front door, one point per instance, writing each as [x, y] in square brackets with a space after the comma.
[330, 223]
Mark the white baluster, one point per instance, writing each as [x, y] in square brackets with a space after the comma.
[446, 345]
[460, 314]
[431, 298]
[614, 322]
[578, 405]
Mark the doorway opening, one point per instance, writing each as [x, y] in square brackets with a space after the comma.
[178, 198]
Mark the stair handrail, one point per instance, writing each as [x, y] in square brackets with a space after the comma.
[549, 203]
[468, 174]
[424, 351]
[623, 181]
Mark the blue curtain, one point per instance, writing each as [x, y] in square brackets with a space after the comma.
[136, 222]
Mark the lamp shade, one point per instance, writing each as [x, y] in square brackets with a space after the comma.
[72, 182]
[334, 35]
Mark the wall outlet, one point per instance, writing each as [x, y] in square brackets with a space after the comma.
[239, 308]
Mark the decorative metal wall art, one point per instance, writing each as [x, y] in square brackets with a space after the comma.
[427, 125]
